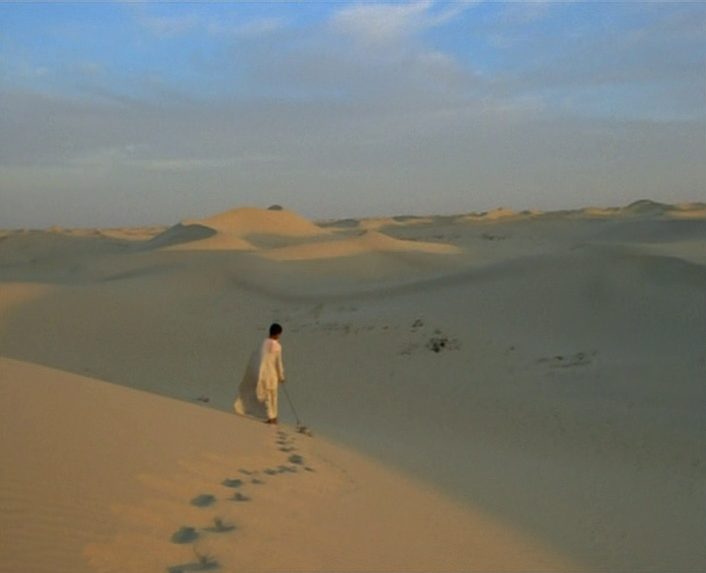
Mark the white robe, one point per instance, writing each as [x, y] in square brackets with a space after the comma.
[264, 373]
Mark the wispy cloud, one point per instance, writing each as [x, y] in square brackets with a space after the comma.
[229, 24]
[380, 25]
[376, 54]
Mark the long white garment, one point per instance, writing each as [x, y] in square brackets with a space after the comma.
[271, 367]
[263, 370]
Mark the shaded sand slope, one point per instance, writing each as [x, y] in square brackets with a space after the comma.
[101, 478]
[550, 374]
[567, 392]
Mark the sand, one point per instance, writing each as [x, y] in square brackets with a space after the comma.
[364, 244]
[103, 478]
[494, 215]
[230, 230]
[524, 393]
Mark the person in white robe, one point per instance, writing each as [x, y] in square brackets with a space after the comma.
[258, 392]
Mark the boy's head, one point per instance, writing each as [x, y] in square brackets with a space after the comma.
[275, 330]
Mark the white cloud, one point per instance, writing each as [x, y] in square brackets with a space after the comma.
[231, 25]
[378, 24]
[384, 24]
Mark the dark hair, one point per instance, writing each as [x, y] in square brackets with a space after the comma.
[275, 329]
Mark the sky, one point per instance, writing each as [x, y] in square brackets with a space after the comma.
[132, 113]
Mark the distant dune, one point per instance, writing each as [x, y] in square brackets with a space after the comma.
[231, 229]
[247, 221]
[368, 242]
[494, 215]
[689, 211]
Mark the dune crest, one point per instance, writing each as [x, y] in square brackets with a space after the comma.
[368, 242]
[229, 231]
[377, 223]
[500, 213]
[245, 221]
[599, 212]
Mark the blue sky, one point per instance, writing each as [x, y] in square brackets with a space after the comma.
[139, 113]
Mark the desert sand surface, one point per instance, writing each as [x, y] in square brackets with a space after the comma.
[489, 391]
[99, 477]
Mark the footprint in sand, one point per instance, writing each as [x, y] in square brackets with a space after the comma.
[203, 500]
[283, 438]
[219, 526]
[234, 483]
[202, 563]
[185, 535]
[188, 534]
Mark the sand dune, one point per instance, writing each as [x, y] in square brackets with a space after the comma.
[120, 480]
[656, 231]
[230, 230]
[491, 216]
[247, 221]
[378, 223]
[695, 211]
[198, 237]
[138, 234]
[548, 379]
[645, 209]
[368, 242]
[54, 250]
[599, 212]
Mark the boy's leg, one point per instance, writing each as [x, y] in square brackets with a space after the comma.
[272, 404]
[275, 400]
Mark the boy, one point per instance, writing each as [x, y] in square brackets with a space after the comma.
[271, 372]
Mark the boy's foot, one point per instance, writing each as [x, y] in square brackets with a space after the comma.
[271, 421]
